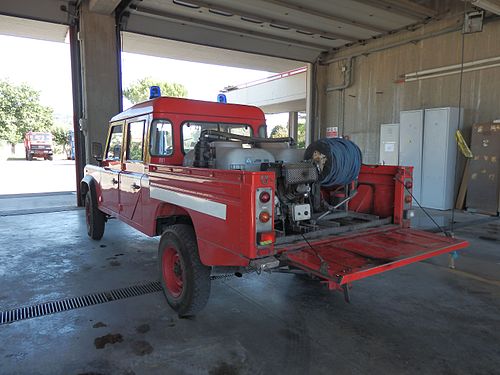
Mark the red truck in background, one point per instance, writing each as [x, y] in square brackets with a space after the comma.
[224, 198]
[38, 145]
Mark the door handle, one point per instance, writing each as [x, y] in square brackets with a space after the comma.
[114, 181]
[135, 186]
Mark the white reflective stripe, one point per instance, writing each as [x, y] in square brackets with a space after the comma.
[202, 205]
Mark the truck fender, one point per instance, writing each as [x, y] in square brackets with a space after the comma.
[89, 183]
[169, 214]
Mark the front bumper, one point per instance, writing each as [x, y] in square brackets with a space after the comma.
[41, 153]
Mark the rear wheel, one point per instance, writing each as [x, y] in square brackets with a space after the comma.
[185, 280]
[50, 157]
[94, 218]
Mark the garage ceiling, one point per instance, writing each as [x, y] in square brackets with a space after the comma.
[26, 28]
[291, 29]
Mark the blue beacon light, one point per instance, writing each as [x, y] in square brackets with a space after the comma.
[154, 92]
[221, 98]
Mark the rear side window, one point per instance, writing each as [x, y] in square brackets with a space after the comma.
[135, 141]
[191, 131]
[161, 139]
[115, 143]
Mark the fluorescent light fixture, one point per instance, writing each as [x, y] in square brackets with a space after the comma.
[492, 6]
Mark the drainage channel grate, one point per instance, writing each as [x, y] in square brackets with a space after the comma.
[48, 308]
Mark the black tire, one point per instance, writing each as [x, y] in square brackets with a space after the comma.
[50, 157]
[183, 267]
[30, 157]
[94, 218]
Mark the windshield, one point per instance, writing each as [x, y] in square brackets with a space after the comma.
[41, 137]
[191, 131]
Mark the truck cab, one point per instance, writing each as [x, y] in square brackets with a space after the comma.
[38, 145]
[221, 195]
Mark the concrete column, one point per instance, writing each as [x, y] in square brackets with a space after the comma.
[293, 125]
[311, 107]
[101, 75]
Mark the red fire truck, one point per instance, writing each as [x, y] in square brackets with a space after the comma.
[38, 145]
[225, 198]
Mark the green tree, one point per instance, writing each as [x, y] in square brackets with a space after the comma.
[279, 131]
[21, 112]
[60, 135]
[139, 90]
[301, 135]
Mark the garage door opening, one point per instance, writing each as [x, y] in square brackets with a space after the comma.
[36, 122]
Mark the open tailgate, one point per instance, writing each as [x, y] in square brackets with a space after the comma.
[343, 259]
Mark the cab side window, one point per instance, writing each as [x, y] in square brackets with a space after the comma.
[135, 138]
[115, 143]
[161, 143]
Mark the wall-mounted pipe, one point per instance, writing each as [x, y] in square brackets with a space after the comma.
[437, 75]
[394, 45]
[410, 40]
[449, 67]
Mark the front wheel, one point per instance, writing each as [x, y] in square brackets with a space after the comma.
[94, 218]
[50, 158]
[185, 280]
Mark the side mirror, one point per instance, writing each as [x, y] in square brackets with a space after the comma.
[97, 151]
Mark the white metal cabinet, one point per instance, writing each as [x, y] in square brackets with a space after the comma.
[439, 158]
[389, 144]
[411, 126]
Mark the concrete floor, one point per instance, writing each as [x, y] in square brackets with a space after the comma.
[422, 319]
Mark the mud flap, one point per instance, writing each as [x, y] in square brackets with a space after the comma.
[343, 259]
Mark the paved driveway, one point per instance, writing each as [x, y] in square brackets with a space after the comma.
[37, 176]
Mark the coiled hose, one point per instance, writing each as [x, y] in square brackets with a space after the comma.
[338, 160]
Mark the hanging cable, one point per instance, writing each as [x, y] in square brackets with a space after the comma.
[447, 234]
[452, 223]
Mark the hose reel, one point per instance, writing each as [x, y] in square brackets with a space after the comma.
[338, 160]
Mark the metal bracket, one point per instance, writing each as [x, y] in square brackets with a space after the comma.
[473, 22]
[264, 264]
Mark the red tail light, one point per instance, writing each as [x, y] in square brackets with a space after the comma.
[264, 197]
[408, 198]
[266, 238]
[409, 184]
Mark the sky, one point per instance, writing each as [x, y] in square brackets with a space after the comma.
[45, 66]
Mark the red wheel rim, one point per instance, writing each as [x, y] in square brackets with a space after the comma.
[173, 271]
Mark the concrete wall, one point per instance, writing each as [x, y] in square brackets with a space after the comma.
[375, 96]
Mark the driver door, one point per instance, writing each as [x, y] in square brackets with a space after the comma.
[133, 170]
[110, 175]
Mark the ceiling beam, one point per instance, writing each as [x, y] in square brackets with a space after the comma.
[195, 35]
[405, 8]
[235, 30]
[413, 7]
[40, 10]
[103, 6]
[237, 12]
[330, 17]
